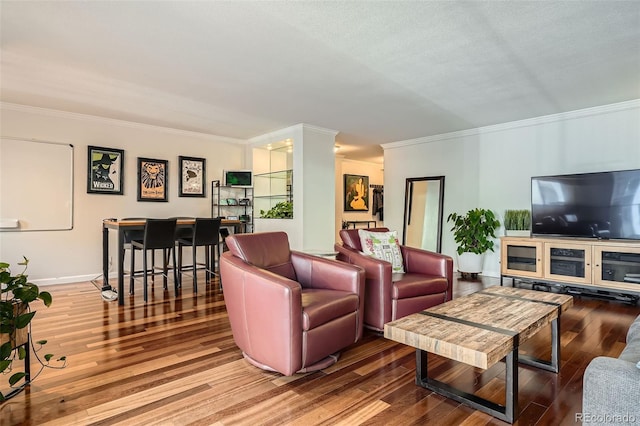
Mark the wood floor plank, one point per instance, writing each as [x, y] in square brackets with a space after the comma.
[173, 361]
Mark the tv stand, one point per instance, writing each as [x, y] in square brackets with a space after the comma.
[608, 268]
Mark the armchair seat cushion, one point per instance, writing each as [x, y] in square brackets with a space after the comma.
[415, 285]
[322, 306]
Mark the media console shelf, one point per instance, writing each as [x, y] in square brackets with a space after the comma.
[593, 265]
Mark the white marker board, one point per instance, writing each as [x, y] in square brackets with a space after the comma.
[36, 185]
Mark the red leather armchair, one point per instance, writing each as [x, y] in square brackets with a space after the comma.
[290, 312]
[428, 280]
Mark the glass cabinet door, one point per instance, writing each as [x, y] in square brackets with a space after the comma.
[521, 257]
[618, 267]
[568, 262]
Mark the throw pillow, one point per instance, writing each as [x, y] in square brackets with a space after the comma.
[384, 246]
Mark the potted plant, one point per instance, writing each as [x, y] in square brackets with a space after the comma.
[517, 223]
[16, 296]
[282, 210]
[473, 232]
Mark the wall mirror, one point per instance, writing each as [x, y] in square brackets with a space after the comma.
[423, 200]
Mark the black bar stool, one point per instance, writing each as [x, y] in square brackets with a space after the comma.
[129, 235]
[158, 234]
[206, 233]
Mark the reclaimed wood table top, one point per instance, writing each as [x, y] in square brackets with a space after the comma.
[481, 328]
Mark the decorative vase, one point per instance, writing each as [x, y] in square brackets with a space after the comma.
[470, 263]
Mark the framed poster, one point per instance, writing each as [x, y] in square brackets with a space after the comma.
[192, 176]
[152, 179]
[105, 170]
[356, 193]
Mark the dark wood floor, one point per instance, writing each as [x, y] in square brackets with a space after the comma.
[174, 362]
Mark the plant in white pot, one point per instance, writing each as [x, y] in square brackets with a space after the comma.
[473, 232]
[517, 223]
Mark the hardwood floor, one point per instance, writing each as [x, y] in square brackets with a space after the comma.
[174, 362]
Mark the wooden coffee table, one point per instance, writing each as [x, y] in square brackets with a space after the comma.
[481, 329]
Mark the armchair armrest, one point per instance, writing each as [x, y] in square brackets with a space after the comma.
[426, 262]
[375, 269]
[317, 272]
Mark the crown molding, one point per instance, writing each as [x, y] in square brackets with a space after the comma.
[570, 115]
[116, 122]
[288, 132]
[362, 162]
[319, 129]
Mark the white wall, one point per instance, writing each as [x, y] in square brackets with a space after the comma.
[491, 167]
[318, 188]
[76, 255]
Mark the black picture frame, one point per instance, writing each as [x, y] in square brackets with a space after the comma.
[105, 170]
[356, 193]
[153, 179]
[192, 178]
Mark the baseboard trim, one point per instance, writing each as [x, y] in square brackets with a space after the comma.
[70, 279]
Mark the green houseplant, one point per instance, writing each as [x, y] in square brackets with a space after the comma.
[17, 294]
[517, 222]
[282, 210]
[473, 232]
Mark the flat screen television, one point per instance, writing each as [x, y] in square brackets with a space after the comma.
[240, 178]
[604, 205]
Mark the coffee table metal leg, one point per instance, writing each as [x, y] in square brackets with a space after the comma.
[507, 412]
[554, 364]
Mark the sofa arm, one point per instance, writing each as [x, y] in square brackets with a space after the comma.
[317, 272]
[611, 389]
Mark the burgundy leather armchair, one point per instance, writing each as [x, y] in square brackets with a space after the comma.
[428, 280]
[290, 312]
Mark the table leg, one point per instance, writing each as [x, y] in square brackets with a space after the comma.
[554, 364]
[105, 258]
[507, 412]
[121, 267]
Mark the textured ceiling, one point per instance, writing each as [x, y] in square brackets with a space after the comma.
[377, 72]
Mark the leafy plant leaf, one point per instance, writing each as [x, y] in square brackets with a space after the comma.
[5, 350]
[16, 377]
[46, 298]
[4, 364]
[23, 320]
